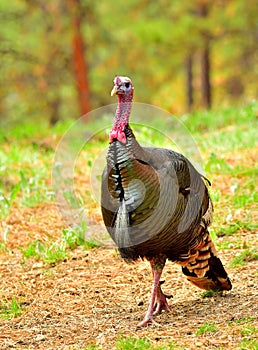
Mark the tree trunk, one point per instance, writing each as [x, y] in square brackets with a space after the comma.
[49, 82]
[80, 63]
[189, 82]
[205, 76]
[203, 11]
[54, 110]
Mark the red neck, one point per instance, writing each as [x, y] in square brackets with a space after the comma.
[121, 118]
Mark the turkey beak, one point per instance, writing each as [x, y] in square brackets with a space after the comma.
[114, 90]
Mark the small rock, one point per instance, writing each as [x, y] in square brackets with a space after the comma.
[37, 265]
[233, 188]
[198, 343]
[101, 339]
[40, 337]
[229, 218]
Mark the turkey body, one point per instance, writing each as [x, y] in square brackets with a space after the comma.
[156, 205]
[164, 197]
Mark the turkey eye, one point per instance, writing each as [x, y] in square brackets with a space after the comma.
[127, 85]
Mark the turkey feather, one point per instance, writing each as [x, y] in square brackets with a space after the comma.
[121, 232]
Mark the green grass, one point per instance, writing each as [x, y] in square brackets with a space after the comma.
[228, 244]
[249, 330]
[202, 122]
[59, 250]
[233, 138]
[244, 320]
[10, 309]
[248, 344]
[25, 172]
[50, 254]
[91, 347]
[206, 328]
[244, 257]
[209, 293]
[75, 236]
[26, 165]
[219, 164]
[23, 152]
[232, 228]
[130, 343]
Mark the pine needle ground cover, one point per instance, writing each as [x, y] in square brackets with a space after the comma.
[63, 289]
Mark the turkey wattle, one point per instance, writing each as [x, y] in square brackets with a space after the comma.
[155, 205]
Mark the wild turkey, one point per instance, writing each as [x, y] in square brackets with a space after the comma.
[155, 205]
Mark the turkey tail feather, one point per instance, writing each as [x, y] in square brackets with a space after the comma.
[204, 269]
[121, 234]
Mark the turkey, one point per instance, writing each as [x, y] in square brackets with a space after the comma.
[156, 206]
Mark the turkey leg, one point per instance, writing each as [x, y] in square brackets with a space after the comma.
[161, 301]
[158, 298]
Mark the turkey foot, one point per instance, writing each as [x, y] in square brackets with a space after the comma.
[149, 314]
[159, 305]
[157, 301]
[161, 301]
[148, 320]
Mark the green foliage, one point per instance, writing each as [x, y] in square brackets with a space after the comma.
[74, 236]
[228, 244]
[10, 309]
[209, 294]
[70, 198]
[34, 190]
[248, 344]
[230, 229]
[244, 257]
[218, 120]
[33, 249]
[224, 130]
[6, 201]
[215, 194]
[28, 190]
[54, 252]
[216, 164]
[50, 254]
[130, 343]
[249, 330]
[24, 172]
[244, 320]
[206, 328]
[36, 75]
[91, 347]
[2, 247]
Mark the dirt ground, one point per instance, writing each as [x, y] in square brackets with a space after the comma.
[94, 297]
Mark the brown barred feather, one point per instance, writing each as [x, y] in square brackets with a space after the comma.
[204, 269]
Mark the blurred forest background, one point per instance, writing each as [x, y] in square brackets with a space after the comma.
[58, 58]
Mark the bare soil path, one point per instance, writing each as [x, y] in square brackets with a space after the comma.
[93, 297]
